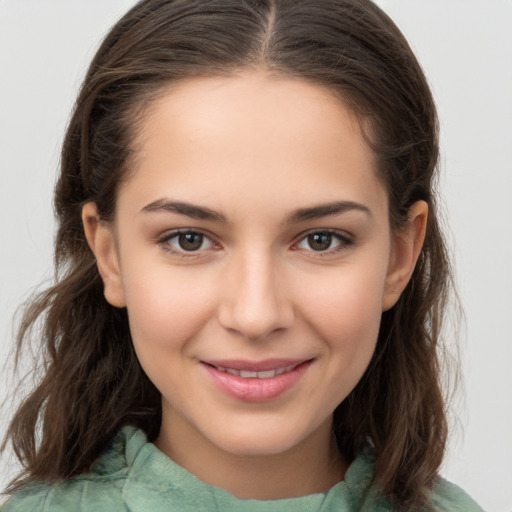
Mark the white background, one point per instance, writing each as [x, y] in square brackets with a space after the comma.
[465, 47]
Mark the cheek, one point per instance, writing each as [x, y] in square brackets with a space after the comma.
[166, 312]
[346, 298]
[166, 309]
[345, 312]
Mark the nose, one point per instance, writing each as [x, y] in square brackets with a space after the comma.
[254, 300]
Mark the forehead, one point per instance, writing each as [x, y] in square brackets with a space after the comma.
[253, 137]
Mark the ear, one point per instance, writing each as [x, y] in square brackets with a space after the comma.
[405, 251]
[100, 238]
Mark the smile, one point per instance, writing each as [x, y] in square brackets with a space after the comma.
[256, 382]
[247, 374]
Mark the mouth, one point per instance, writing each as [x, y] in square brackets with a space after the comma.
[251, 374]
[256, 381]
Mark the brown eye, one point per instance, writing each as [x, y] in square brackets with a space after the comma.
[325, 242]
[190, 241]
[319, 241]
[186, 241]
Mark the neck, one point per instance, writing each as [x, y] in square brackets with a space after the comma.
[312, 466]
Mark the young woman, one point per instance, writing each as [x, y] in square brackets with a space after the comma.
[251, 274]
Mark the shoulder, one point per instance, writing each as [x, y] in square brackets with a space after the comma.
[444, 497]
[70, 496]
[100, 489]
[81, 494]
[448, 497]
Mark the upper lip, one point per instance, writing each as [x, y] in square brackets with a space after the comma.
[254, 366]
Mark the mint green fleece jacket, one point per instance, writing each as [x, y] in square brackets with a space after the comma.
[134, 476]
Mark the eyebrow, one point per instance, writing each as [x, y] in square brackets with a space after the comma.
[190, 210]
[325, 210]
[300, 215]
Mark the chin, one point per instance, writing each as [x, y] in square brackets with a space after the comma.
[261, 441]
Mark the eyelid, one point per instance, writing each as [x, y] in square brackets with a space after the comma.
[169, 235]
[346, 240]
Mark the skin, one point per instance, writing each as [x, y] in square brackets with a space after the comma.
[255, 148]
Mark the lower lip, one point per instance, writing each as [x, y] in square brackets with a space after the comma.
[254, 389]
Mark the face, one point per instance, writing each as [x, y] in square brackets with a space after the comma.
[252, 249]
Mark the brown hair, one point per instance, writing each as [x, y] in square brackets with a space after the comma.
[348, 46]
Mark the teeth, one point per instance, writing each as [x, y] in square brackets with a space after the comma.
[284, 370]
[267, 374]
[246, 375]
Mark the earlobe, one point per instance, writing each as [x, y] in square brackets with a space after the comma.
[407, 245]
[100, 238]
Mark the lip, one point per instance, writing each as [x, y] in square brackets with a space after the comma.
[254, 389]
[254, 366]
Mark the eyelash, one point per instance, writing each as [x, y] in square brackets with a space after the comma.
[164, 242]
[344, 242]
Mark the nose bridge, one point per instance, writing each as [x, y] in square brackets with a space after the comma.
[255, 302]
